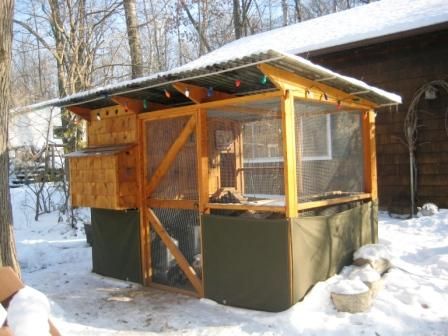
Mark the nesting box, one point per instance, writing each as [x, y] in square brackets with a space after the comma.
[104, 177]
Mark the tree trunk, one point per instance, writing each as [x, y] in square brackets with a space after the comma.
[237, 19]
[133, 38]
[285, 12]
[8, 255]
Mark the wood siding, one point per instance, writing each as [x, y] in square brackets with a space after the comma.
[402, 66]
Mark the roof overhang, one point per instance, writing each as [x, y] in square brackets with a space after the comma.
[220, 77]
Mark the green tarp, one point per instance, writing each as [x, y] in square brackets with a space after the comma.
[116, 244]
[247, 262]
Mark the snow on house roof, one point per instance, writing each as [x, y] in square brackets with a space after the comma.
[371, 21]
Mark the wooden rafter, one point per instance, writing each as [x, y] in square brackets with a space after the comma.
[81, 111]
[137, 105]
[198, 94]
[314, 90]
[170, 156]
[180, 258]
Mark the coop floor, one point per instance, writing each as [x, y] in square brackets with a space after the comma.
[58, 263]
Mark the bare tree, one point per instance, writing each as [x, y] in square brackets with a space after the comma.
[8, 255]
[135, 47]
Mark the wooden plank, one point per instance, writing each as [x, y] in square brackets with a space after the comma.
[289, 155]
[202, 157]
[369, 146]
[180, 259]
[175, 290]
[199, 94]
[187, 110]
[314, 90]
[129, 104]
[81, 111]
[167, 114]
[145, 230]
[246, 207]
[170, 156]
[172, 204]
[334, 201]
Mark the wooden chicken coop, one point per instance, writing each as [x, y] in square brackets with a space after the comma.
[244, 181]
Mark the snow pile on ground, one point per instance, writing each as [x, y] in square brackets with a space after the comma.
[57, 262]
[349, 287]
[372, 252]
[28, 313]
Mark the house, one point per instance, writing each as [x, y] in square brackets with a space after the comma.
[398, 45]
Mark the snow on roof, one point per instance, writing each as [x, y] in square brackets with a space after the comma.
[370, 21]
[211, 66]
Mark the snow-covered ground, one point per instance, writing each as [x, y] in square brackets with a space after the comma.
[57, 261]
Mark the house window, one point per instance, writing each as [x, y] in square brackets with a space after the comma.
[316, 137]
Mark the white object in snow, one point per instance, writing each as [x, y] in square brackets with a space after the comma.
[28, 313]
[377, 255]
[349, 287]
[428, 209]
[372, 252]
[352, 296]
[2, 315]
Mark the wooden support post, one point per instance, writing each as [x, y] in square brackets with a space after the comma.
[369, 147]
[180, 259]
[202, 155]
[199, 94]
[145, 248]
[81, 111]
[289, 154]
[170, 156]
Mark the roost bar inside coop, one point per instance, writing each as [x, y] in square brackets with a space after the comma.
[245, 182]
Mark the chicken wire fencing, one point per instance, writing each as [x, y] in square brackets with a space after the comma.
[246, 154]
[329, 151]
[180, 181]
[184, 230]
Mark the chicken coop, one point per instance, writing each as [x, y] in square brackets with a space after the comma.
[245, 181]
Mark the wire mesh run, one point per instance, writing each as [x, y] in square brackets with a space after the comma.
[180, 181]
[246, 154]
[329, 151]
[184, 229]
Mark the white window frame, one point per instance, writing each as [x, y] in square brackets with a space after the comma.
[329, 154]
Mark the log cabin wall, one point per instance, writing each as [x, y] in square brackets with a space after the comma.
[402, 66]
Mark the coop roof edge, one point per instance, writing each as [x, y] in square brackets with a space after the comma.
[209, 67]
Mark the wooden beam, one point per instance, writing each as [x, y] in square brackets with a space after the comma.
[137, 105]
[246, 207]
[132, 105]
[289, 155]
[199, 94]
[288, 81]
[172, 204]
[81, 111]
[145, 241]
[202, 157]
[170, 156]
[187, 110]
[166, 288]
[333, 201]
[369, 147]
[180, 259]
